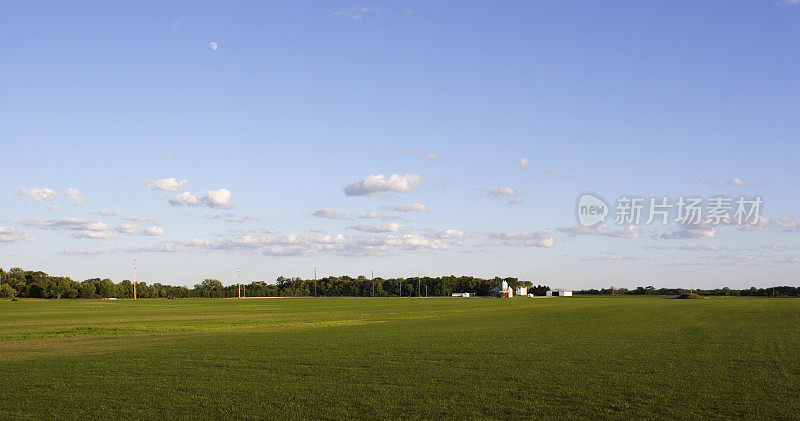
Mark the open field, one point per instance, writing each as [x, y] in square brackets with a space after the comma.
[401, 358]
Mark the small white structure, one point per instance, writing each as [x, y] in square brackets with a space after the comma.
[502, 290]
[463, 294]
[559, 292]
[521, 290]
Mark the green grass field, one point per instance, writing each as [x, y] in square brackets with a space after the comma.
[644, 357]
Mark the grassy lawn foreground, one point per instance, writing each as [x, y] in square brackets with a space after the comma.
[401, 358]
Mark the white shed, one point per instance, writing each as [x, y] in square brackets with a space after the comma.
[463, 294]
[559, 292]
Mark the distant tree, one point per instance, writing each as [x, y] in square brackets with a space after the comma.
[6, 291]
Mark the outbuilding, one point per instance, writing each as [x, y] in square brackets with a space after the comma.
[559, 292]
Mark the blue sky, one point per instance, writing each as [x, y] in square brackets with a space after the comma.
[425, 106]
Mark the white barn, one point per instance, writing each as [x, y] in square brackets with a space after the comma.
[559, 292]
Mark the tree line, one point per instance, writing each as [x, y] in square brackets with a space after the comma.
[37, 284]
[778, 291]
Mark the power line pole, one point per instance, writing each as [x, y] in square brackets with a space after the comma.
[400, 289]
[315, 282]
[239, 280]
[419, 286]
[373, 283]
[134, 278]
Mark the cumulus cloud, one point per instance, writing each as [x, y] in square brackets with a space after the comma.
[139, 218]
[232, 217]
[153, 231]
[126, 228]
[415, 241]
[218, 199]
[169, 184]
[75, 197]
[684, 231]
[392, 227]
[91, 252]
[184, 199]
[9, 235]
[81, 228]
[447, 234]
[376, 184]
[523, 162]
[37, 194]
[330, 213]
[413, 207]
[737, 182]
[94, 235]
[107, 212]
[543, 238]
[511, 195]
[354, 13]
[631, 231]
[214, 199]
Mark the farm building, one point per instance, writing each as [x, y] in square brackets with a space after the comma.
[521, 290]
[463, 294]
[558, 292]
[502, 290]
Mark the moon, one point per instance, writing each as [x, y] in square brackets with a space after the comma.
[213, 45]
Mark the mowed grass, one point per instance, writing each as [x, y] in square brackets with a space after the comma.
[612, 357]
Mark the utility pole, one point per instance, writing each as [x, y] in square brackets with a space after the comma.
[419, 286]
[400, 289]
[134, 278]
[373, 283]
[239, 280]
[315, 282]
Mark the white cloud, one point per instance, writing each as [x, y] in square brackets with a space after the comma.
[95, 235]
[376, 184]
[232, 217]
[330, 213]
[139, 218]
[75, 197]
[107, 212]
[684, 231]
[631, 231]
[392, 227]
[9, 235]
[169, 184]
[92, 252]
[126, 228]
[81, 228]
[69, 224]
[703, 179]
[355, 12]
[218, 199]
[184, 199]
[154, 230]
[415, 241]
[523, 162]
[542, 238]
[213, 45]
[737, 182]
[214, 199]
[413, 207]
[37, 194]
[447, 234]
[432, 156]
[511, 195]
[52, 208]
